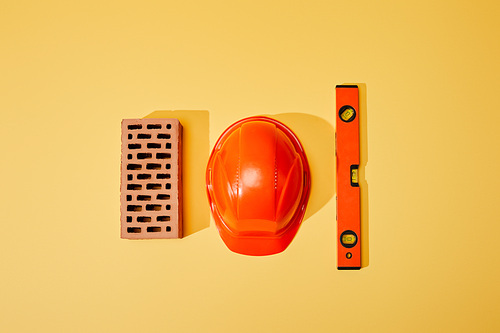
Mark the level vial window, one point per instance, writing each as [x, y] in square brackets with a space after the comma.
[354, 176]
[348, 238]
[347, 113]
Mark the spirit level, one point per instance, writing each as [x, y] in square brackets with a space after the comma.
[348, 196]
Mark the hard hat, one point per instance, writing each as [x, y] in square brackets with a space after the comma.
[258, 185]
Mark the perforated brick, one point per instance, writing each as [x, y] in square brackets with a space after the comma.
[151, 182]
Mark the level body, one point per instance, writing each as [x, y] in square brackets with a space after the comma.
[348, 191]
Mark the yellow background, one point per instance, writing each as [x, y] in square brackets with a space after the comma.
[70, 71]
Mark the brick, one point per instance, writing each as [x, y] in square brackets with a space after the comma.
[151, 179]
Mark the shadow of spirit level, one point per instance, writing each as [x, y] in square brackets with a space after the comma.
[348, 196]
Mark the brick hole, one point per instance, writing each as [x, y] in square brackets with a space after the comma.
[168, 145]
[129, 198]
[168, 186]
[143, 219]
[130, 136]
[163, 218]
[130, 177]
[162, 197]
[163, 136]
[153, 186]
[144, 176]
[153, 207]
[129, 218]
[154, 145]
[144, 198]
[168, 166]
[143, 156]
[154, 126]
[153, 166]
[134, 230]
[163, 155]
[163, 176]
[168, 207]
[129, 156]
[169, 126]
[134, 146]
[134, 187]
[134, 167]
[169, 229]
[153, 229]
[143, 136]
[134, 208]
[134, 127]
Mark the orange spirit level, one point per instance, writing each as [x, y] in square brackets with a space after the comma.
[348, 196]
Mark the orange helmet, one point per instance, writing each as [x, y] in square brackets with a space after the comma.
[258, 185]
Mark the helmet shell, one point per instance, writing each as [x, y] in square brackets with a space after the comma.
[258, 184]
